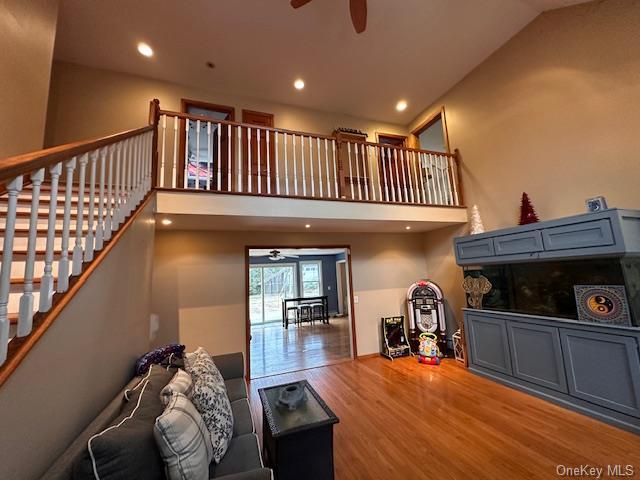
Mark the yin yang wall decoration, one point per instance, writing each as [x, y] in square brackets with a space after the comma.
[604, 304]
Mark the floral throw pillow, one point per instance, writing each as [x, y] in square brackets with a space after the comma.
[209, 396]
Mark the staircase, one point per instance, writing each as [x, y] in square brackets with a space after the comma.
[58, 209]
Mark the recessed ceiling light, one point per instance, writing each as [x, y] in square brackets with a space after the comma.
[401, 106]
[299, 84]
[307, 226]
[407, 227]
[166, 221]
[145, 49]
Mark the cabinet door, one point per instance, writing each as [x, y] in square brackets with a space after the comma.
[469, 249]
[595, 233]
[488, 342]
[536, 355]
[603, 369]
[515, 243]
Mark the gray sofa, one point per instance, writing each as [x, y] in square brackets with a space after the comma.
[242, 460]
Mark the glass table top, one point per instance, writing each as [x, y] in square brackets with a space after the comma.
[312, 412]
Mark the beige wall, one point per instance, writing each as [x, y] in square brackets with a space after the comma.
[82, 360]
[87, 102]
[554, 112]
[199, 282]
[26, 42]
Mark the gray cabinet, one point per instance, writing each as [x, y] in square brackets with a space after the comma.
[525, 242]
[473, 249]
[596, 233]
[603, 369]
[536, 355]
[489, 343]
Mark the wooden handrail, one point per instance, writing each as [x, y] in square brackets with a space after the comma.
[243, 125]
[188, 116]
[12, 167]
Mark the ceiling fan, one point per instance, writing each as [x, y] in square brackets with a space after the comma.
[276, 255]
[358, 9]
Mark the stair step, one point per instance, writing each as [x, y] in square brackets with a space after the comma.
[21, 243]
[25, 199]
[23, 230]
[13, 307]
[18, 268]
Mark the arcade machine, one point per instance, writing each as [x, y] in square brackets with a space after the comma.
[426, 314]
[394, 340]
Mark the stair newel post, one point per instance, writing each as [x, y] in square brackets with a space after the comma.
[25, 315]
[154, 119]
[46, 282]
[77, 259]
[100, 226]
[89, 239]
[63, 262]
[13, 189]
[115, 215]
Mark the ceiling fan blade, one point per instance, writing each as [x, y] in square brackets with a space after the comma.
[299, 3]
[358, 10]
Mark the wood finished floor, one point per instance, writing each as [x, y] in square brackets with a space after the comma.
[403, 420]
[276, 350]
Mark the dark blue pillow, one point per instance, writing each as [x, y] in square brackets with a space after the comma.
[158, 355]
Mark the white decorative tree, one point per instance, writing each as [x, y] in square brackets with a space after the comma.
[476, 221]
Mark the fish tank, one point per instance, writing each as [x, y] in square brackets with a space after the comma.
[554, 288]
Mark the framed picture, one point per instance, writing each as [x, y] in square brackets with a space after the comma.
[596, 204]
[604, 304]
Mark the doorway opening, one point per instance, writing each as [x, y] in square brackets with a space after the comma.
[299, 309]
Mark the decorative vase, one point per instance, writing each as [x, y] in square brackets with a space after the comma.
[291, 396]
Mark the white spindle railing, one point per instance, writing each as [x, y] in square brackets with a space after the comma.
[242, 158]
[91, 189]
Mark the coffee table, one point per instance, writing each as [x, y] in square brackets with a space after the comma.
[297, 444]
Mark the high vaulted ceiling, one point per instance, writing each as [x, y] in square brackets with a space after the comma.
[412, 49]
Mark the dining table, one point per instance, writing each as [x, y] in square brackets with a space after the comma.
[301, 301]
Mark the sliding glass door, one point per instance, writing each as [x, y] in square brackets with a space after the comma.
[268, 286]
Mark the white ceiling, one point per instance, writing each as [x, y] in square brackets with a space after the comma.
[412, 49]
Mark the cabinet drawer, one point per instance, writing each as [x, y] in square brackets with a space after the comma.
[536, 355]
[595, 233]
[525, 242]
[475, 249]
[488, 343]
[603, 369]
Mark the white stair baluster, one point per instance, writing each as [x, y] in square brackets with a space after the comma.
[411, 157]
[403, 168]
[326, 162]
[259, 169]
[295, 168]
[365, 176]
[46, 282]
[454, 180]
[76, 267]
[110, 207]
[356, 149]
[350, 171]
[319, 167]
[100, 225]
[384, 174]
[302, 168]
[370, 184]
[277, 162]
[392, 179]
[25, 315]
[164, 148]
[425, 175]
[239, 156]
[313, 193]
[63, 262]
[335, 169]
[115, 220]
[174, 166]
[89, 239]
[267, 134]
[209, 157]
[186, 152]
[286, 167]
[13, 189]
[219, 162]
[249, 169]
[397, 169]
[197, 154]
[229, 163]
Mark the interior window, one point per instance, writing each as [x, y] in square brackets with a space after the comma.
[311, 275]
[432, 135]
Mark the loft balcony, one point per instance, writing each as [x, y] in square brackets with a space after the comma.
[265, 177]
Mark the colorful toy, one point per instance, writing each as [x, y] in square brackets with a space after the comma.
[428, 351]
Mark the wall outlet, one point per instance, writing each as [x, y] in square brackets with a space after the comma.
[356, 299]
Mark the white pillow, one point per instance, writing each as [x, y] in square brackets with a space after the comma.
[183, 440]
[209, 396]
[180, 383]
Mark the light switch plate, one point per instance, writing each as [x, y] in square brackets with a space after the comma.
[356, 299]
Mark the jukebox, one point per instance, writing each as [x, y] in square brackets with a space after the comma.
[425, 305]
